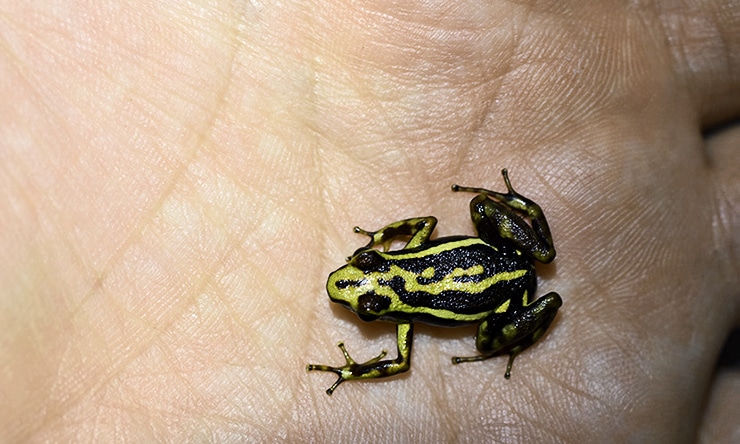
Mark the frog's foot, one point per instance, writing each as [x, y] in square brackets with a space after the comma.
[377, 238]
[511, 198]
[346, 371]
[495, 194]
[512, 355]
[370, 234]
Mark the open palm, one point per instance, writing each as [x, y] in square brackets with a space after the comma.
[178, 179]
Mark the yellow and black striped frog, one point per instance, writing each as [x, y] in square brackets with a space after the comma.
[451, 281]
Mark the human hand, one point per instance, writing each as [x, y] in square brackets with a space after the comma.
[179, 179]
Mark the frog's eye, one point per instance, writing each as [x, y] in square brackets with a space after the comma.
[367, 260]
[370, 304]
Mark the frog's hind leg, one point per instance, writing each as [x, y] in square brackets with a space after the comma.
[494, 215]
[512, 332]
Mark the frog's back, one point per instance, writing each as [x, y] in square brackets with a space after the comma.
[456, 280]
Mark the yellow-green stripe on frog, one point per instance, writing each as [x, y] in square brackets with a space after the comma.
[451, 281]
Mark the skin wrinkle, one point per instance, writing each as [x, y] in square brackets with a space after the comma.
[133, 236]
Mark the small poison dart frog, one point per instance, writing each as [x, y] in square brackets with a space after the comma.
[451, 281]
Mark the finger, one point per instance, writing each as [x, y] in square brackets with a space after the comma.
[720, 418]
[722, 157]
[704, 39]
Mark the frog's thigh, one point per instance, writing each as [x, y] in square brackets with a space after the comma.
[514, 331]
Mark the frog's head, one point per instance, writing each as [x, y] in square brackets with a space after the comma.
[354, 285]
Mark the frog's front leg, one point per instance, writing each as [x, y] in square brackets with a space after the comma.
[374, 368]
[419, 228]
[511, 332]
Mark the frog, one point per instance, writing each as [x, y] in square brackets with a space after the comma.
[488, 279]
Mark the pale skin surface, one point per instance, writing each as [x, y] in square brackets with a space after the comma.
[178, 179]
